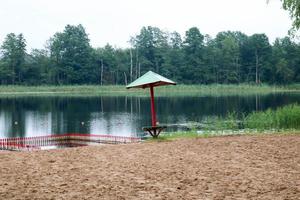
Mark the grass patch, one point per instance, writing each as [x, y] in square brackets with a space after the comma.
[167, 137]
[230, 122]
[120, 90]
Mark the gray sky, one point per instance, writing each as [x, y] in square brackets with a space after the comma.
[114, 21]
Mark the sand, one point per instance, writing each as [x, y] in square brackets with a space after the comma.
[235, 167]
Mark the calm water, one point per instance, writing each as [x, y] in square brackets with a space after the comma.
[122, 116]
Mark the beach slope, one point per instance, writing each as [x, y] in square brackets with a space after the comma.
[232, 167]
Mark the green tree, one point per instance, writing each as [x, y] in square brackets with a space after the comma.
[151, 44]
[38, 69]
[122, 66]
[293, 6]
[211, 58]
[71, 53]
[284, 74]
[173, 57]
[261, 49]
[193, 47]
[228, 57]
[6, 73]
[107, 65]
[285, 54]
[13, 52]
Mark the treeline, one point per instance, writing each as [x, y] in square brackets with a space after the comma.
[195, 58]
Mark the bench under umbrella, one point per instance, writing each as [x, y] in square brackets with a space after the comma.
[151, 80]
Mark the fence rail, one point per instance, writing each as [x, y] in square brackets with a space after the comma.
[65, 140]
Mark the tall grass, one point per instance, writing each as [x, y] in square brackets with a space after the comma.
[117, 90]
[287, 117]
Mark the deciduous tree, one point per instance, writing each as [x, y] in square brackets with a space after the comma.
[13, 52]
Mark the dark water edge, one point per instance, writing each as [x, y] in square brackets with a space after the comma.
[121, 116]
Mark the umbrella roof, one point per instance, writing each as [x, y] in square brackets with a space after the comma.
[150, 79]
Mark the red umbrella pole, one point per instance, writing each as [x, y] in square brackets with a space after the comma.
[153, 114]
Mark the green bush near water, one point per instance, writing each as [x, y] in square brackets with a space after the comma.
[287, 117]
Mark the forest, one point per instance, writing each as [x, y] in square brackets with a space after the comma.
[231, 57]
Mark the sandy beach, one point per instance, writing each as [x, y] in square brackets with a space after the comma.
[233, 167]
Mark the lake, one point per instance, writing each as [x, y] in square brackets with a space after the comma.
[120, 116]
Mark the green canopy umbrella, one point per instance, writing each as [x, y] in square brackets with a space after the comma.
[151, 80]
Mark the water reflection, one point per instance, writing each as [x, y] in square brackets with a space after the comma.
[119, 123]
[122, 116]
[37, 124]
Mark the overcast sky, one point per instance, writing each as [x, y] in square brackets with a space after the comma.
[114, 21]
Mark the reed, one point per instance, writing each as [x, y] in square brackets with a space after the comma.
[286, 117]
[120, 90]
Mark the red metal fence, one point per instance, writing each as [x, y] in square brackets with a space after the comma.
[65, 140]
